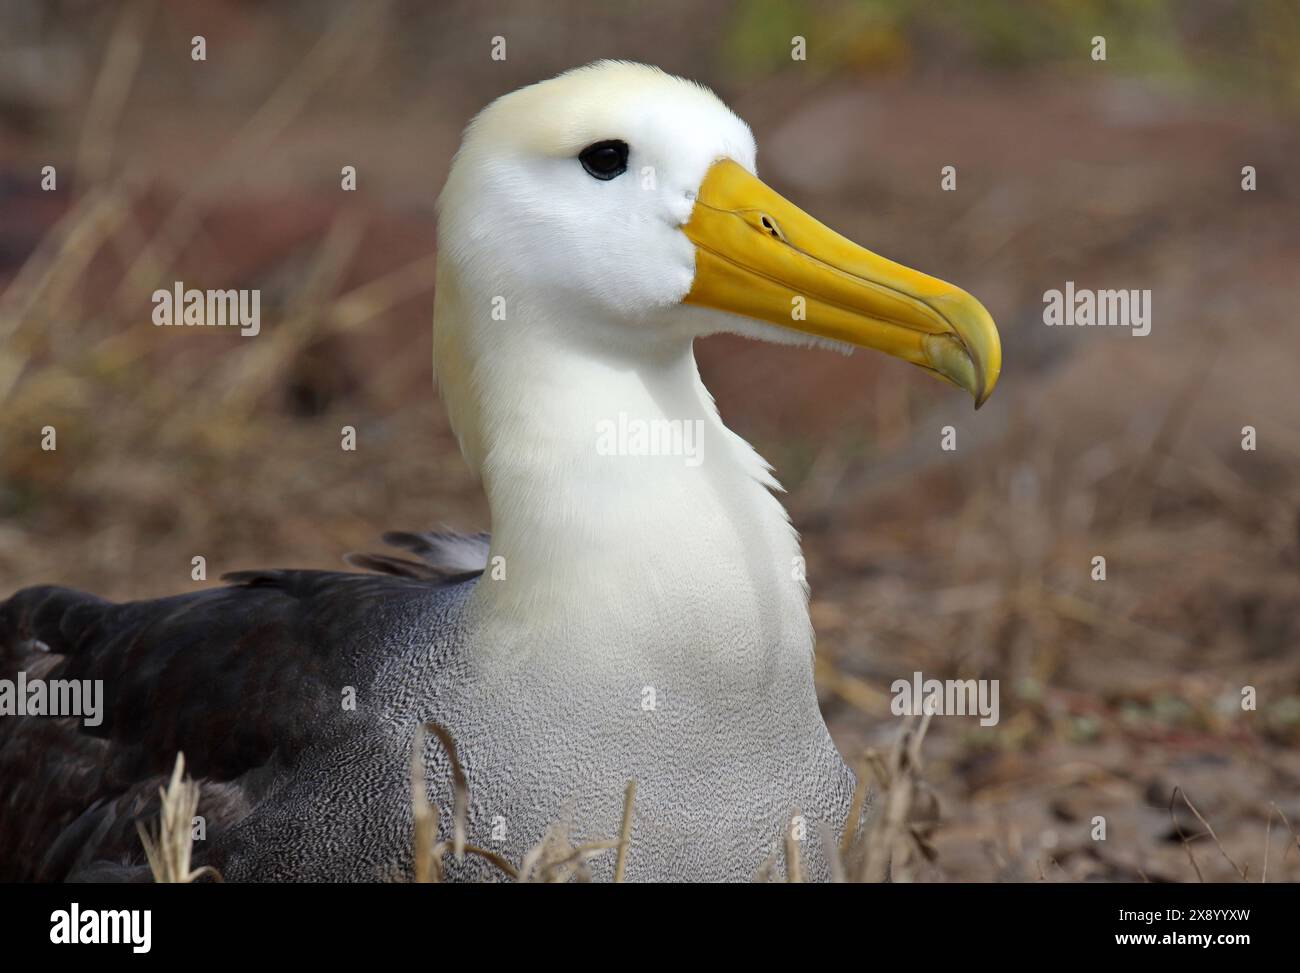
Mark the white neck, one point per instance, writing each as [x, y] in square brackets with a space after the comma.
[616, 556]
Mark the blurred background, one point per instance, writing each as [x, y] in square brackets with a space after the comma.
[1117, 697]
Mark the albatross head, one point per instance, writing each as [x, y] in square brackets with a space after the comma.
[618, 197]
[590, 228]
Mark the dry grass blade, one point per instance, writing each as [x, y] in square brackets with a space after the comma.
[367, 301]
[832, 852]
[853, 820]
[428, 852]
[493, 859]
[793, 865]
[168, 847]
[625, 832]
[1295, 838]
[108, 98]
[1242, 872]
[247, 376]
[1268, 836]
[51, 271]
[424, 816]
[1268, 841]
[572, 864]
[899, 776]
[766, 870]
[460, 788]
[535, 854]
[1187, 846]
[556, 859]
[553, 859]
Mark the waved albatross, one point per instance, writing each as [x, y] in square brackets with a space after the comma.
[641, 615]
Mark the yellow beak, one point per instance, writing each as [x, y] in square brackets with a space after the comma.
[761, 256]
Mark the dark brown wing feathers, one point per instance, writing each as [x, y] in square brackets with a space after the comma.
[238, 678]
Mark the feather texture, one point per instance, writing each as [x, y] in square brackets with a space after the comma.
[242, 679]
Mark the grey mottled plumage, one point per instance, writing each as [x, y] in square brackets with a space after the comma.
[248, 681]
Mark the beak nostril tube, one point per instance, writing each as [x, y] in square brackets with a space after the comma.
[770, 226]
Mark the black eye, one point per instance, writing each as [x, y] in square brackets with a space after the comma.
[605, 160]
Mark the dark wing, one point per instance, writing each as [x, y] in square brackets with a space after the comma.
[239, 678]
